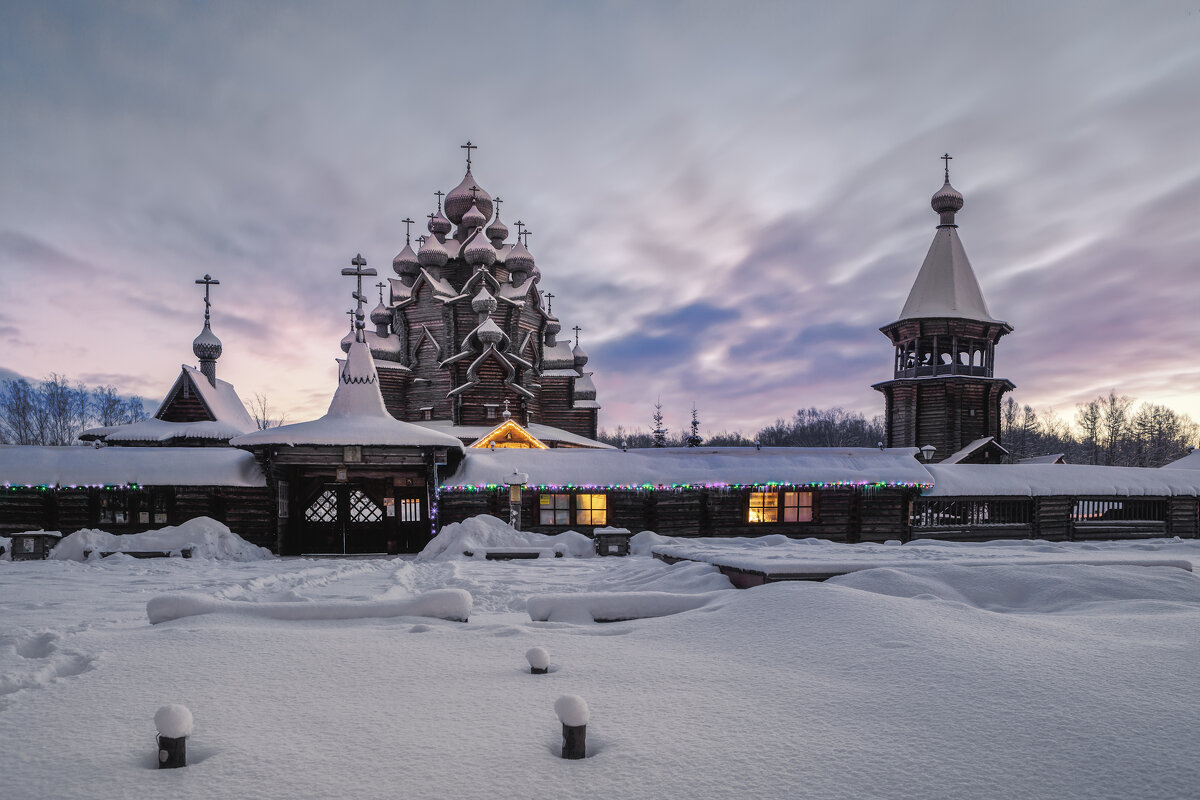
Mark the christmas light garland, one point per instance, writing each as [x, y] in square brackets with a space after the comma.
[43, 487]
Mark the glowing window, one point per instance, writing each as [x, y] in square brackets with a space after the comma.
[797, 506]
[764, 507]
[591, 509]
[554, 509]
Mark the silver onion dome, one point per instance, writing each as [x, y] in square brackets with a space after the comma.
[479, 251]
[483, 302]
[474, 218]
[458, 202]
[946, 200]
[433, 253]
[381, 315]
[519, 259]
[405, 262]
[206, 346]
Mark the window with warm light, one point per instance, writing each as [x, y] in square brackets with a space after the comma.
[797, 506]
[591, 509]
[764, 507]
[781, 506]
[554, 509]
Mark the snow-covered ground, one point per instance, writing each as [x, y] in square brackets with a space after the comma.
[926, 679]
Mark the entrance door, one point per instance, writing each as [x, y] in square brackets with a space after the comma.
[412, 519]
[344, 518]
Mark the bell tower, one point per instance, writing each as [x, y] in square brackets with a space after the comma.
[943, 390]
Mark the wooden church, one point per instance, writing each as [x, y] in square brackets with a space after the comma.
[458, 398]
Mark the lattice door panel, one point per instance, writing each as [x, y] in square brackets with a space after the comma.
[363, 508]
[324, 508]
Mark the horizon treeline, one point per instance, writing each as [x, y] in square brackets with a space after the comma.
[1112, 430]
[55, 411]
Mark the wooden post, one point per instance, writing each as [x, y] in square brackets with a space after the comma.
[574, 741]
[172, 753]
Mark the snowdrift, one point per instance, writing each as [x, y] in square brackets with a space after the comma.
[483, 533]
[448, 604]
[615, 606]
[207, 538]
[1020, 588]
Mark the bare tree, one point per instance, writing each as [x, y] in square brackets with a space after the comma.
[264, 414]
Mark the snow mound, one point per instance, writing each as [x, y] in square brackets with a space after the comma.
[205, 536]
[572, 710]
[173, 721]
[480, 534]
[538, 658]
[449, 604]
[614, 606]
[1033, 589]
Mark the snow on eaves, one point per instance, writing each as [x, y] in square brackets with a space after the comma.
[118, 466]
[1071, 480]
[157, 430]
[693, 466]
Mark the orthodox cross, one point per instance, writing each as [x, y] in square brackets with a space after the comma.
[577, 329]
[519, 225]
[439, 194]
[507, 413]
[947, 158]
[468, 147]
[497, 201]
[407, 229]
[526, 233]
[351, 314]
[473, 190]
[549, 307]
[360, 271]
[207, 280]
[421, 239]
[380, 286]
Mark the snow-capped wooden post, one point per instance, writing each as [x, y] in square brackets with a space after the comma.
[539, 660]
[516, 482]
[572, 712]
[174, 723]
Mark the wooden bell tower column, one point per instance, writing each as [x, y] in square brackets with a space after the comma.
[943, 390]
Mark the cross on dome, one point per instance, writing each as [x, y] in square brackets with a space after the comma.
[408, 222]
[440, 194]
[380, 286]
[549, 307]
[207, 280]
[947, 158]
[469, 147]
[577, 329]
[360, 270]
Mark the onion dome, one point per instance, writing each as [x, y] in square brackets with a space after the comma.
[946, 202]
[479, 251]
[489, 332]
[406, 263]
[519, 259]
[581, 356]
[483, 303]
[347, 340]
[438, 224]
[433, 253]
[553, 326]
[207, 346]
[459, 201]
[497, 231]
[473, 219]
[382, 315]
[536, 277]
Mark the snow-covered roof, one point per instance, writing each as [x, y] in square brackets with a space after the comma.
[1042, 480]
[1190, 461]
[221, 400]
[543, 433]
[157, 430]
[970, 449]
[558, 356]
[693, 466]
[946, 285]
[1049, 458]
[118, 466]
[356, 415]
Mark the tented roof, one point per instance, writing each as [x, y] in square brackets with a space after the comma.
[704, 466]
[118, 466]
[946, 285]
[356, 415]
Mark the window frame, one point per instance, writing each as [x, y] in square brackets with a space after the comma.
[568, 508]
[772, 503]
